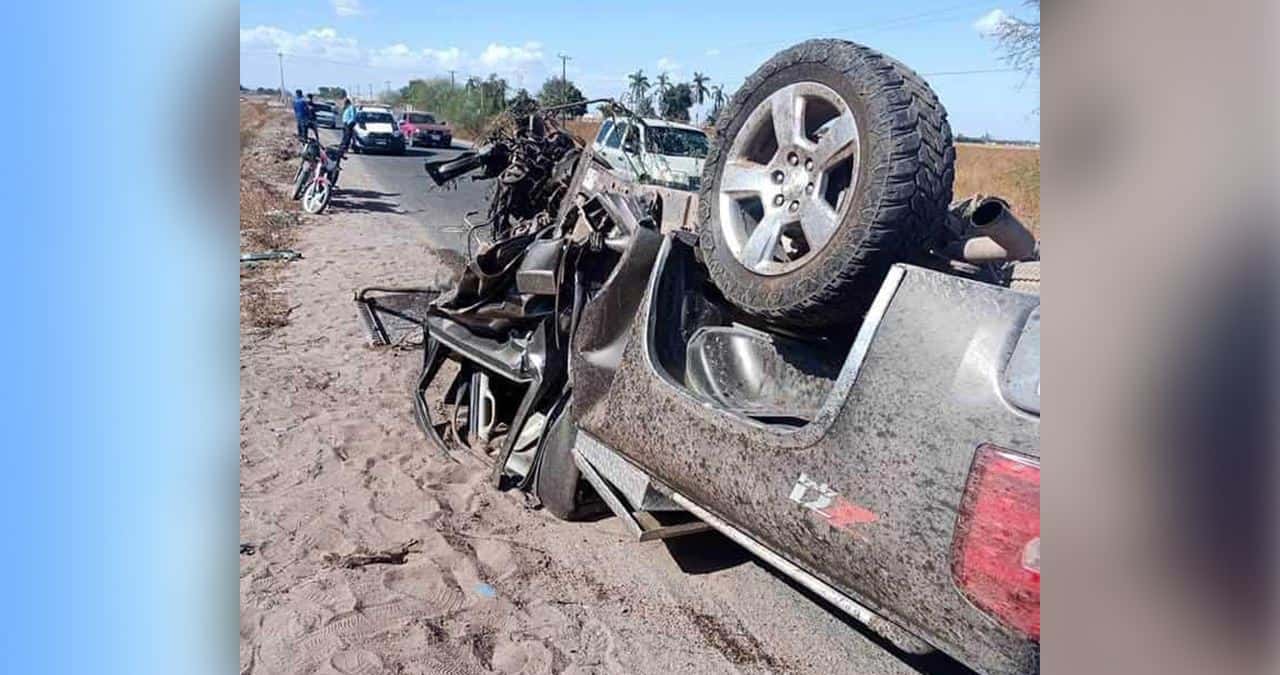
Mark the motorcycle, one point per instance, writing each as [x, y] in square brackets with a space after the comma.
[306, 168]
[320, 175]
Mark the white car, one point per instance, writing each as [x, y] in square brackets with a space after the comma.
[376, 130]
[659, 152]
[326, 115]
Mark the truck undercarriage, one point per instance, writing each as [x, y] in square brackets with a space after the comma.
[593, 354]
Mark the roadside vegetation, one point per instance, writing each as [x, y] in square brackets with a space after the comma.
[470, 105]
[268, 219]
[467, 106]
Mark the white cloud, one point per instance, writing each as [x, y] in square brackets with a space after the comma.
[400, 56]
[347, 7]
[668, 64]
[316, 43]
[319, 50]
[713, 52]
[509, 59]
[989, 22]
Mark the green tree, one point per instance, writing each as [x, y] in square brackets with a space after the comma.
[663, 83]
[717, 102]
[556, 91]
[495, 94]
[331, 93]
[644, 107]
[461, 106]
[676, 101]
[639, 89]
[522, 103]
[699, 86]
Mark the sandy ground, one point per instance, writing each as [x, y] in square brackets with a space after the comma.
[331, 464]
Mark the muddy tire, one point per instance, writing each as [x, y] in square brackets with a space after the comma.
[802, 213]
[300, 179]
[559, 484]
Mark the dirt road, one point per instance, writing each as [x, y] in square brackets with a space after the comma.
[333, 474]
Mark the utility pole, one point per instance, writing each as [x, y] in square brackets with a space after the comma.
[564, 64]
[388, 86]
[451, 79]
[281, 57]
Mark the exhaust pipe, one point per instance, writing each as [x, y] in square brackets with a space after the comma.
[491, 158]
[998, 235]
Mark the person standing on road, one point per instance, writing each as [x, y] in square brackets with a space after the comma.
[311, 115]
[300, 113]
[348, 124]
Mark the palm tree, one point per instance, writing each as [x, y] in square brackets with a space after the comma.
[700, 90]
[639, 86]
[664, 83]
[717, 99]
[473, 85]
[497, 91]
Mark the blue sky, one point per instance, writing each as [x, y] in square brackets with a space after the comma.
[370, 42]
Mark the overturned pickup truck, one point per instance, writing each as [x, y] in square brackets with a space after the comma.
[839, 370]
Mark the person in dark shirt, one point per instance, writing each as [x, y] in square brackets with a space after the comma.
[300, 113]
[311, 115]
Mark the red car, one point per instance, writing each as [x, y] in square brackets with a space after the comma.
[421, 127]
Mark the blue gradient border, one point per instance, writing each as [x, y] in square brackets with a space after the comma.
[122, 418]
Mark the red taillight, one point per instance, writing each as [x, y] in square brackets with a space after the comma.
[996, 561]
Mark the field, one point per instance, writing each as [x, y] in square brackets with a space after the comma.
[1008, 172]
[1003, 171]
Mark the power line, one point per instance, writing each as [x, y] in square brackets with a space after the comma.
[970, 72]
[893, 22]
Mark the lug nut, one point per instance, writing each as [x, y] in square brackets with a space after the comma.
[778, 177]
[795, 206]
[808, 189]
[777, 200]
[808, 165]
[793, 158]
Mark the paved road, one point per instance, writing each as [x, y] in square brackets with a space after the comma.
[784, 616]
[404, 182]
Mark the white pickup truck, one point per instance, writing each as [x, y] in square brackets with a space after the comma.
[658, 152]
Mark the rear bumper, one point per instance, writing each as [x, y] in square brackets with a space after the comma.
[432, 139]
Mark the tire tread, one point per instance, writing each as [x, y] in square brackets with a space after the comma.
[911, 174]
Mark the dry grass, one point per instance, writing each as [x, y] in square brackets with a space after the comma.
[1007, 172]
[584, 129]
[268, 218]
[253, 116]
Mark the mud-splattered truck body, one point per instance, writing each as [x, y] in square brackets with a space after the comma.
[914, 490]
[838, 367]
